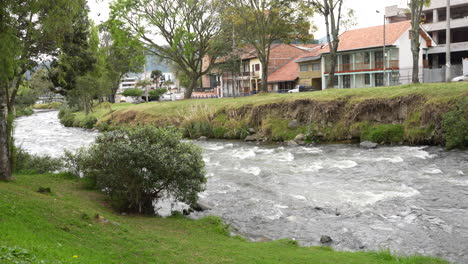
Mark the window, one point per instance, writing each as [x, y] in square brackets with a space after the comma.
[316, 67]
[366, 57]
[304, 67]
[367, 79]
[335, 81]
[257, 67]
[347, 81]
[379, 60]
[346, 62]
[379, 78]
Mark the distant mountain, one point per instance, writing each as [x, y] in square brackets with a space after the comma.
[155, 63]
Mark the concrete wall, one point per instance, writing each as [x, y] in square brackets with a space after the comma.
[443, 3]
[406, 56]
[465, 66]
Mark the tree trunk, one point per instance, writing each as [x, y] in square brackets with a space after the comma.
[5, 155]
[331, 74]
[264, 87]
[415, 50]
[189, 90]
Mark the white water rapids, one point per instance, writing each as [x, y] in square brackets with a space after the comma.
[411, 200]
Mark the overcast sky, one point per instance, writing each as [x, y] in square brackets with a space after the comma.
[366, 14]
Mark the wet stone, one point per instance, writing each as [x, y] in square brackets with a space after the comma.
[325, 240]
[368, 145]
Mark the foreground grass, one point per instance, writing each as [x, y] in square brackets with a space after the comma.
[61, 228]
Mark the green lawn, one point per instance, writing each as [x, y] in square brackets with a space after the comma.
[61, 228]
[439, 91]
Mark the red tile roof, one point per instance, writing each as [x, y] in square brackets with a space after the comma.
[290, 71]
[371, 37]
[287, 73]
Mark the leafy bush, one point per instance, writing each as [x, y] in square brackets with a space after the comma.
[16, 255]
[455, 124]
[89, 122]
[24, 112]
[155, 94]
[28, 163]
[138, 166]
[132, 92]
[385, 133]
[53, 105]
[67, 117]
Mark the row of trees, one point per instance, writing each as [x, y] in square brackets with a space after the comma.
[90, 61]
[87, 61]
[187, 31]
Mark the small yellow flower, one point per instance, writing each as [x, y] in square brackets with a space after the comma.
[75, 256]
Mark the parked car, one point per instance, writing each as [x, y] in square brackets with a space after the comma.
[295, 90]
[168, 96]
[463, 78]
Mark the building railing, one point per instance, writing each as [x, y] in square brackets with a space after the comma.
[363, 66]
[255, 74]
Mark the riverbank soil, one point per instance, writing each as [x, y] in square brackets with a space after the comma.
[72, 224]
[429, 114]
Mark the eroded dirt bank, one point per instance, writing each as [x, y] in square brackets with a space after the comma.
[411, 119]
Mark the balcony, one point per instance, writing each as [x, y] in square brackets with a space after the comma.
[441, 25]
[454, 47]
[255, 74]
[361, 67]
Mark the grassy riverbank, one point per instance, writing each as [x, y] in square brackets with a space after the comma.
[411, 114]
[61, 227]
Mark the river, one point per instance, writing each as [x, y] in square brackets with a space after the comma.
[411, 200]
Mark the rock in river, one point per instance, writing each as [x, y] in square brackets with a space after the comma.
[325, 240]
[368, 145]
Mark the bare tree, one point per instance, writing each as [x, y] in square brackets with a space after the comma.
[332, 12]
[188, 29]
[416, 7]
[261, 23]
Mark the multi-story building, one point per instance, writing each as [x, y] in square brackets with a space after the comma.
[310, 70]
[435, 23]
[128, 83]
[282, 72]
[361, 61]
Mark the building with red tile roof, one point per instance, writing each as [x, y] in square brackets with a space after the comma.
[283, 71]
[361, 61]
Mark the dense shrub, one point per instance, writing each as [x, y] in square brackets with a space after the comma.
[132, 92]
[89, 122]
[53, 105]
[28, 163]
[385, 133]
[455, 125]
[155, 94]
[67, 117]
[24, 112]
[16, 255]
[138, 166]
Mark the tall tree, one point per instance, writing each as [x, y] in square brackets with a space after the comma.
[124, 54]
[260, 23]
[75, 58]
[331, 10]
[9, 50]
[187, 28]
[30, 29]
[156, 77]
[416, 7]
